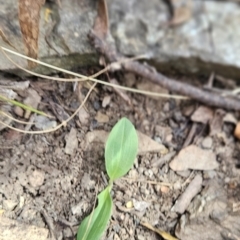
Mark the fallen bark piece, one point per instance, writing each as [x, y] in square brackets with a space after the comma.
[11, 229]
[213, 99]
[83, 116]
[145, 143]
[32, 100]
[163, 160]
[216, 123]
[191, 191]
[102, 118]
[202, 115]
[193, 157]
[230, 118]
[182, 12]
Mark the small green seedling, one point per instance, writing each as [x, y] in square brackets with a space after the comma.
[120, 153]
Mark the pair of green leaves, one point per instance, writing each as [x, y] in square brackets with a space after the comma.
[120, 153]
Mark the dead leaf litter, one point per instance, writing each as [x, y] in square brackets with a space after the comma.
[61, 172]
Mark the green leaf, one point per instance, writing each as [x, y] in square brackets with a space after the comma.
[95, 224]
[121, 149]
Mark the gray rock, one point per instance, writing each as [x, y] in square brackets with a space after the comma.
[200, 45]
[68, 40]
[42, 122]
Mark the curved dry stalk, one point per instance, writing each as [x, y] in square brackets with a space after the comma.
[14, 119]
[84, 78]
[58, 126]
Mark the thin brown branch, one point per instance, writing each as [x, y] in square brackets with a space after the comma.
[211, 99]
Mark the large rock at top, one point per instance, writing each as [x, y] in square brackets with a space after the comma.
[209, 41]
[70, 24]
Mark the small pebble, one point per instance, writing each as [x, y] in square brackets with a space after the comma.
[102, 118]
[106, 101]
[94, 124]
[133, 174]
[96, 105]
[36, 179]
[83, 116]
[207, 143]
[237, 131]
[177, 185]
[184, 173]
[164, 189]
[21, 201]
[146, 173]
[140, 170]
[209, 174]
[178, 117]
[150, 173]
[158, 139]
[166, 107]
[155, 170]
[187, 111]
[227, 180]
[146, 192]
[169, 138]
[18, 111]
[116, 237]
[140, 205]
[229, 118]
[129, 204]
[157, 189]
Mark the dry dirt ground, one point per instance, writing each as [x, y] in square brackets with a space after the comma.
[51, 180]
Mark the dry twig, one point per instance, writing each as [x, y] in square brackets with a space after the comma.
[212, 99]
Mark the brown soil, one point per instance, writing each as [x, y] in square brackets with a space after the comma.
[49, 188]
